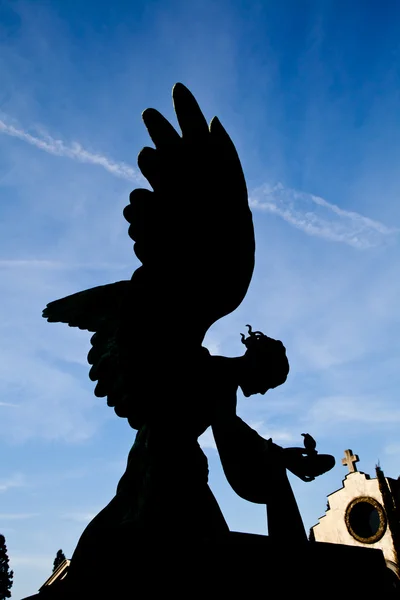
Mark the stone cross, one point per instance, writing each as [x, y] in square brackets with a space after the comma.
[349, 460]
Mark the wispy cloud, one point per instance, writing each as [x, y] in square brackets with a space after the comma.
[311, 214]
[14, 481]
[8, 404]
[33, 263]
[17, 516]
[315, 216]
[74, 151]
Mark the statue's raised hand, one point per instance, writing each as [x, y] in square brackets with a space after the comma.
[305, 462]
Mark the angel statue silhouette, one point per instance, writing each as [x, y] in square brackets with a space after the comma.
[194, 237]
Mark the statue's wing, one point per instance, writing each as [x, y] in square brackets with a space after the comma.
[194, 232]
[98, 310]
[124, 355]
[91, 309]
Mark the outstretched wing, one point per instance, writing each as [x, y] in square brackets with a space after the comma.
[93, 309]
[98, 310]
[194, 232]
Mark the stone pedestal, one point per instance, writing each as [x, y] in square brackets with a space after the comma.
[240, 566]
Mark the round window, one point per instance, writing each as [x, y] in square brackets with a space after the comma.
[365, 520]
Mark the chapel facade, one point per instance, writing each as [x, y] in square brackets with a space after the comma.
[364, 512]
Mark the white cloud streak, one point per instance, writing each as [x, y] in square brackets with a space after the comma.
[30, 263]
[317, 217]
[33, 263]
[311, 214]
[17, 516]
[74, 151]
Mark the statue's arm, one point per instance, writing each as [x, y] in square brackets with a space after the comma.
[255, 469]
[251, 463]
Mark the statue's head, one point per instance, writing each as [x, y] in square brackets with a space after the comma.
[265, 364]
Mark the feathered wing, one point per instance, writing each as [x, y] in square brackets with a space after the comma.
[98, 310]
[91, 309]
[194, 232]
[194, 236]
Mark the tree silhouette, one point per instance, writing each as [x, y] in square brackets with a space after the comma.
[6, 576]
[60, 557]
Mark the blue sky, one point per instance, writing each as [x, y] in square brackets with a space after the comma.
[309, 93]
